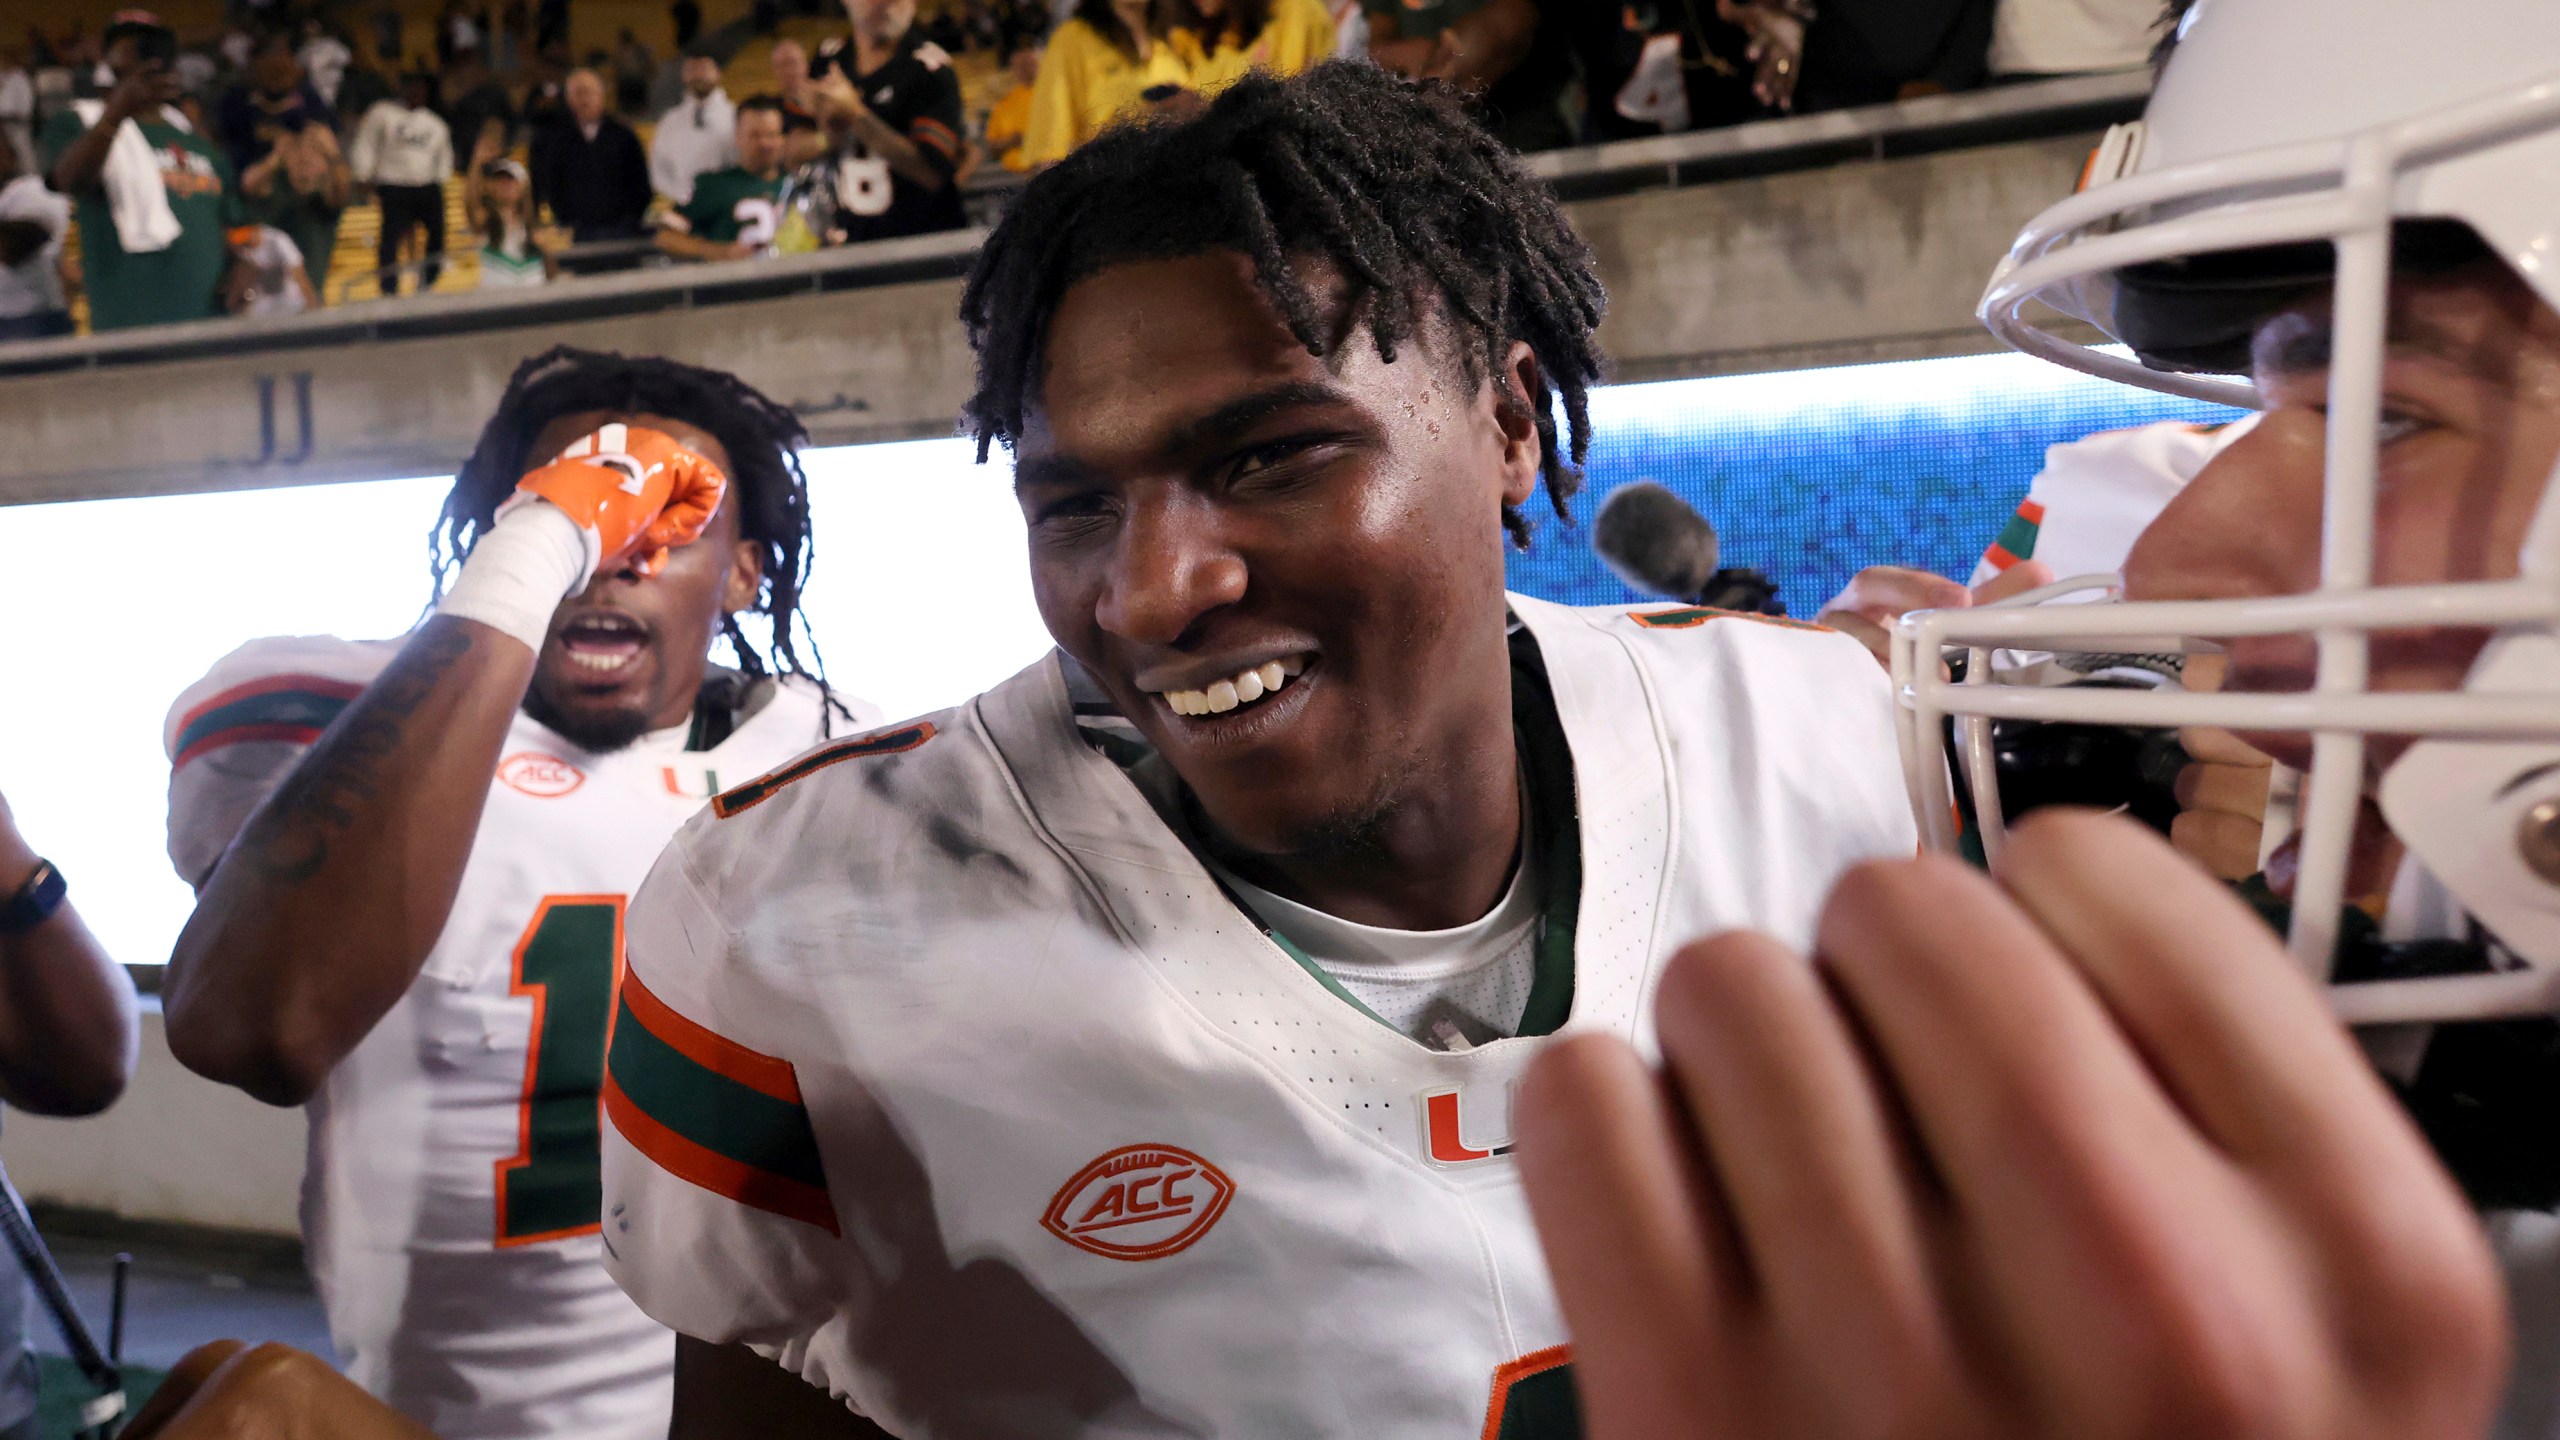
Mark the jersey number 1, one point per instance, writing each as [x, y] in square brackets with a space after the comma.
[567, 961]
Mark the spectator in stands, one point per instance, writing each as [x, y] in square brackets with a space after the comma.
[550, 25]
[33, 221]
[17, 103]
[2033, 39]
[1676, 65]
[591, 172]
[324, 59]
[388, 32]
[301, 188]
[1012, 110]
[1110, 59]
[804, 139]
[730, 213]
[476, 101]
[362, 87]
[497, 199]
[253, 113]
[891, 103]
[1516, 54]
[405, 152]
[634, 65]
[69, 1032]
[1871, 52]
[457, 31]
[699, 134]
[1219, 40]
[152, 196]
[267, 275]
[512, 40]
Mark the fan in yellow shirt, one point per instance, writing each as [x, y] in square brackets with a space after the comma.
[1010, 118]
[1222, 39]
[1110, 60]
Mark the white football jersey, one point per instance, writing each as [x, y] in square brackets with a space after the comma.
[2096, 495]
[945, 1074]
[450, 1204]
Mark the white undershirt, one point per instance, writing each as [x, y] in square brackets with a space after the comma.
[1450, 989]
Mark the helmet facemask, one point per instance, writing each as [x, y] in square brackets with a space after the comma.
[2182, 261]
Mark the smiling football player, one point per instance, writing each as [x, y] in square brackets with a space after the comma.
[1129, 1050]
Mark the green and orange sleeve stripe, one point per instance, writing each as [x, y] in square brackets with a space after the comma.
[2017, 539]
[712, 1112]
[294, 708]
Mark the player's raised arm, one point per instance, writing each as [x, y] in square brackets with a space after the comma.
[318, 917]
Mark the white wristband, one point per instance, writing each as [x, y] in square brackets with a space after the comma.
[521, 569]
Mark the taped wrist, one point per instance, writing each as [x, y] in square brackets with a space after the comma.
[529, 561]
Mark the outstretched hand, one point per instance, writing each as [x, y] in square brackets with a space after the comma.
[2067, 1151]
[1867, 607]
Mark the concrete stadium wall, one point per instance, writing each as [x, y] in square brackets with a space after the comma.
[1866, 260]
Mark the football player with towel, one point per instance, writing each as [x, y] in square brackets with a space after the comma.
[1129, 1050]
[412, 860]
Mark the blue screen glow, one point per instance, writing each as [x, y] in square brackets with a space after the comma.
[1811, 475]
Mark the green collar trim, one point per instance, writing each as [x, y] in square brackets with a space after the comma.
[1555, 825]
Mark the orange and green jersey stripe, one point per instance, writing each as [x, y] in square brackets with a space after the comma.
[879, 742]
[712, 1112]
[1689, 617]
[2017, 539]
[293, 708]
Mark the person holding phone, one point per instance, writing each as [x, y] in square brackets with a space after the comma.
[152, 209]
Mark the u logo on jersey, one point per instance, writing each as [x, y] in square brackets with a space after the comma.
[1449, 1141]
[675, 783]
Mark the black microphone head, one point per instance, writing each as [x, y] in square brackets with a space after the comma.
[1652, 540]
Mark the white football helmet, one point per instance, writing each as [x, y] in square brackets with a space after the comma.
[2291, 123]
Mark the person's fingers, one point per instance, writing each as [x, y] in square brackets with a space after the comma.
[2220, 746]
[2247, 1045]
[2018, 579]
[2238, 1034]
[179, 1386]
[1801, 1146]
[2231, 789]
[1882, 593]
[2226, 845]
[1877, 639]
[2071, 1174]
[1631, 1236]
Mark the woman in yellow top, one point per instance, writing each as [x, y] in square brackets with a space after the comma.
[1111, 59]
[1222, 39]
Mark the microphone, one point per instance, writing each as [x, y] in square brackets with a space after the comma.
[1656, 542]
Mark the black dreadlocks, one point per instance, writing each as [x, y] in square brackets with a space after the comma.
[762, 438]
[1423, 214]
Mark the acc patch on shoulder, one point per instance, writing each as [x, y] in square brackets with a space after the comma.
[1689, 617]
[861, 747]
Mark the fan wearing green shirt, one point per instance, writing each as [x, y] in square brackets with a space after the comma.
[160, 277]
[732, 214]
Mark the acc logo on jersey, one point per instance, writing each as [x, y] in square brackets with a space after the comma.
[1140, 1202]
[545, 777]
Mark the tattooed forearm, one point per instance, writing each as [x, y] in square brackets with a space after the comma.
[288, 841]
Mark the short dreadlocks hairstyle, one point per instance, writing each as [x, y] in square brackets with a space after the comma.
[765, 481]
[1392, 185]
